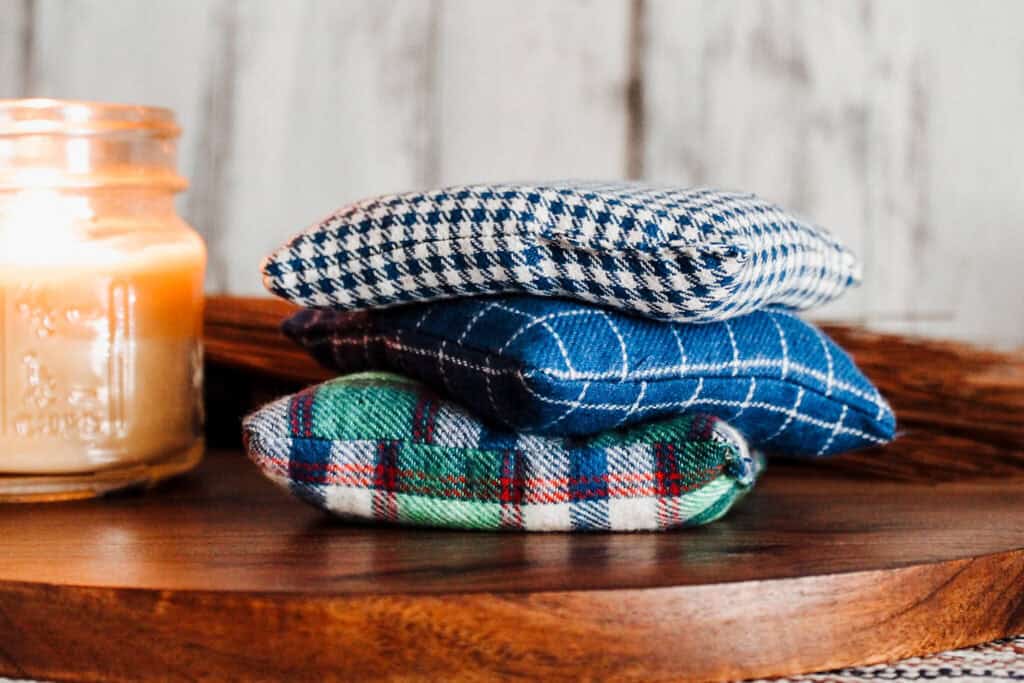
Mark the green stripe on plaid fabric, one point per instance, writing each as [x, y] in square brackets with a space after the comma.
[366, 409]
[378, 446]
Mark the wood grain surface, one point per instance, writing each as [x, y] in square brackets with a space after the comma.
[220, 576]
[907, 550]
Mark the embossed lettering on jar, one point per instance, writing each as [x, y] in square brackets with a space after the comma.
[101, 293]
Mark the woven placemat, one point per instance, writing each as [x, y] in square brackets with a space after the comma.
[1001, 660]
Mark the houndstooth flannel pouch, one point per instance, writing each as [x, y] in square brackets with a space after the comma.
[377, 446]
[557, 367]
[694, 254]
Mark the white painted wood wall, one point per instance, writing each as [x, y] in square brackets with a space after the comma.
[899, 125]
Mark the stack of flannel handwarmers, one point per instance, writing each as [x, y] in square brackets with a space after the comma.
[565, 356]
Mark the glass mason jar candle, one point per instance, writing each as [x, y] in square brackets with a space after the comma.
[101, 296]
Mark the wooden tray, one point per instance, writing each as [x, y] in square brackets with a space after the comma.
[911, 549]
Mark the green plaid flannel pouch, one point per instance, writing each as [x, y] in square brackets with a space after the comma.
[377, 446]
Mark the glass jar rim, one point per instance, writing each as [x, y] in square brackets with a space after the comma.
[44, 116]
[75, 144]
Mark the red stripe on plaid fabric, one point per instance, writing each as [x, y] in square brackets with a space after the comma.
[626, 486]
[424, 418]
[269, 462]
[300, 413]
[702, 427]
[295, 415]
[531, 490]
[588, 488]
[512, 484]
[669, 513]
[344, 474]
[666, 469]
[432, 408]
[308, 413]
[417, 419]
[666, 465]
[385, 481]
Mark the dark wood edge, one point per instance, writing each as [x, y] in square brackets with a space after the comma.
[724, 631]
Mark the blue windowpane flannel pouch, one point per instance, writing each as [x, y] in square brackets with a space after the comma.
[560, 368]
[695, 254]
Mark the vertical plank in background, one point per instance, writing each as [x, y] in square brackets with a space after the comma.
[894, 124]
[532, 89]
[897, 146]
[207, 204]
[135, 52]
[330, 104]
[289, 109]
[803, 103]
[968, 251]
[15, 47]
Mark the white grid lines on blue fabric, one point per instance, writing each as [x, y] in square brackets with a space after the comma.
[747, 399]
[786, 365]
[535, 379]
[682, 351]
[622, 344]
[835, 430]
[636, 404]
[366, 340]
[487, 372]
[692, 401]
[475, 319]
[828, 359]
[785, 348]
[790, 416]
[533, 321]
[707, 368]
[653, 374]
[688, 403]
[574, 405]
[441, 358]
[735, 349]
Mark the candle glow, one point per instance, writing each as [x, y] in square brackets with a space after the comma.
[101, 292]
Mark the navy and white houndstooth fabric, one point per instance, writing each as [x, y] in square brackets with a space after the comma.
[562, 368]
[696, 255]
